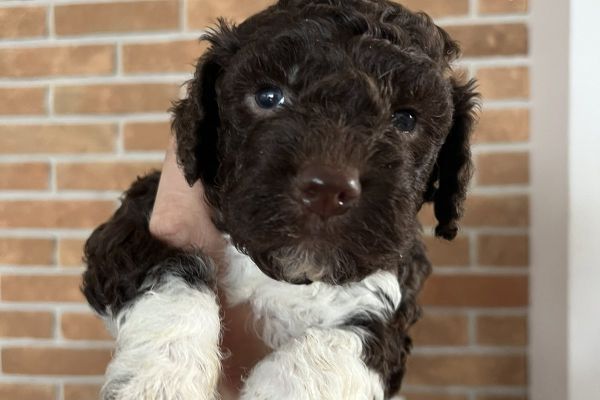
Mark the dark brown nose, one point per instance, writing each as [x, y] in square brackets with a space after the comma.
[328, 191]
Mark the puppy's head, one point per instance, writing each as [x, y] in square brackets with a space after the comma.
[319, 130]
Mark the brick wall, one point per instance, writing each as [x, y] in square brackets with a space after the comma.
[83, 91]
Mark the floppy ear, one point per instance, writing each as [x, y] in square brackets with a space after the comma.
[450, 178]
[196, 117]
[196, 123]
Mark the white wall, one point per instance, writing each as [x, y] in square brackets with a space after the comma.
[565, 276]
[584, 199]
[549, 200]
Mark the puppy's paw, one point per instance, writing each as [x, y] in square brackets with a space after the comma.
[323, 364]
[167, 346]
[154, 381]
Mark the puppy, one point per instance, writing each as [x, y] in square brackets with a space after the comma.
[318, 129]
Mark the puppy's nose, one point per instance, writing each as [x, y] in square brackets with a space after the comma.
[328, 191]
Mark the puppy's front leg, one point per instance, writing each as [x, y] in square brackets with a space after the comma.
[323, 364]
[167, 344]
[158, 302]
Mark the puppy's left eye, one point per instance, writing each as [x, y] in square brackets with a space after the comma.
[269, 97]
[404, 120]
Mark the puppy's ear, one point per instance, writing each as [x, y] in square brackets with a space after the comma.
[196, 123]
[453, 170]
[196, 117]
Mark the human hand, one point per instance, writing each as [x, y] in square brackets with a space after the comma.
[180, 216]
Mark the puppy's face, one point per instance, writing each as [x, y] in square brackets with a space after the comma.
[316, 130]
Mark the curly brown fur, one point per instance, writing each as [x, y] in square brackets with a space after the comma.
[358, 62]
[388, 343]
[345, 67]
[121, 254]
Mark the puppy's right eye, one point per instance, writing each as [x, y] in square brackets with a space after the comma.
[269, 97]
[405, 120]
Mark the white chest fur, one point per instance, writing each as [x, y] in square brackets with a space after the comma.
[316, 356]
[286, 311]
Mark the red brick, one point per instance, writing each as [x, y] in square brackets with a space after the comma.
[430, 396]
[25, 324]
[21, 22]
[177, 56]
[25, 251]
[426, 215]
[115, 99]
[57, 61]
[501, 397]
[485, 210]
[202, 14]
[54, 213]
[503, 83]
[41, 288]
[503, 6]
[444, 253]
[101, 175]
[23, 101]
[137, 16]
[491, 40]
[503, 250]
[146, 136]
[504, 125]
[500, 211]
[82, 392]
[24, 176]
[70, 252]
[440, 330]
[502, 330]
[503, 168]
[54, 361]
[475, 291]
[27, 391]
[438, 8]
[465, 369]
[57, 138]
[78, 326]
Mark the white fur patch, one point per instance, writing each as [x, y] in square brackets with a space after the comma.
[323, 364]
[167, 346]
[285, 311]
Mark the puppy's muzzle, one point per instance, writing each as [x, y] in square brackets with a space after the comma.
[328, 191]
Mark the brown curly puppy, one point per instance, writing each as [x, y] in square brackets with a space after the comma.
[319, 129]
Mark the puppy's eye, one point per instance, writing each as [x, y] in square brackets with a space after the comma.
[269, 97]
[404, 120]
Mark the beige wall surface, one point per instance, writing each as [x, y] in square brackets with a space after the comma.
[84, 89]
